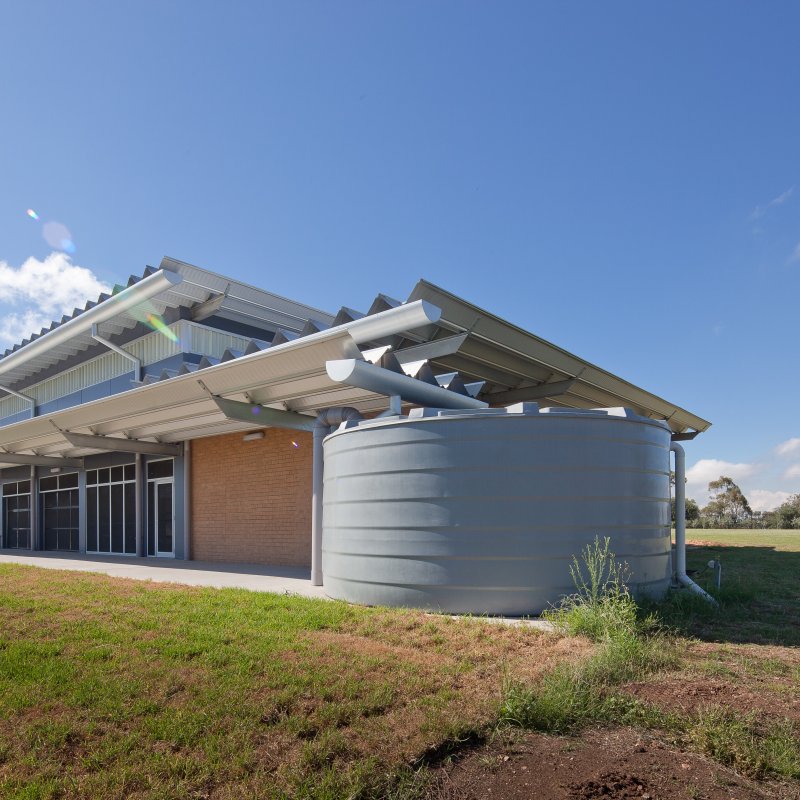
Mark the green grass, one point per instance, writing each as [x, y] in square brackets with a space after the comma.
[760, 593]
[112, 688]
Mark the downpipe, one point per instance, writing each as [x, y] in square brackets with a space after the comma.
[680, 526]
[327, 420]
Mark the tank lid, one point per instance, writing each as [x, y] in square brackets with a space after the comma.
[517, 409]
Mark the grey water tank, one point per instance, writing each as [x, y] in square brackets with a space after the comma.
[482, 511]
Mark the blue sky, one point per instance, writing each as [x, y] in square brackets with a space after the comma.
[621, 178]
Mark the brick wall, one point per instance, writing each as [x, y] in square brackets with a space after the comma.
[251, 501]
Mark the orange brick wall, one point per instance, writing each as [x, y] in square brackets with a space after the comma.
[251, 501]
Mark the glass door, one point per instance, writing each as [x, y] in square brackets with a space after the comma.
[160, 518]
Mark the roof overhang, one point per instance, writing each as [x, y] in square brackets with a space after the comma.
[518, 366]
[433, 333]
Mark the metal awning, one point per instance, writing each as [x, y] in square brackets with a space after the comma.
[519, 366]
[174, 285]
[455, 344]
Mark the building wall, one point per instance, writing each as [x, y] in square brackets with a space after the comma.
[251, 501]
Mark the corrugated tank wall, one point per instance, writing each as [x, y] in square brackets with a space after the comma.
[481, 512]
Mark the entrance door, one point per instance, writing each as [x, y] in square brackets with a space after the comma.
[16, 519]
[161, 517]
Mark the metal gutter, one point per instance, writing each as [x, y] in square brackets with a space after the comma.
[128, 298]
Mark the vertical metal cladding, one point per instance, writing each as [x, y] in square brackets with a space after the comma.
[481, 511]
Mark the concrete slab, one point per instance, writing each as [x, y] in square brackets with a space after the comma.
[255, 577]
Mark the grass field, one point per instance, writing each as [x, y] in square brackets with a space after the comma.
[760, 593]
[112, 688]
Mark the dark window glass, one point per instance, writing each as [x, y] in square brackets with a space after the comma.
[48, 484]
[9, 488]
[130, 517]
[103, 524]
[68, 481]
[24, 487]
[151, 520]
[160, 469]
[164, 495]
[102, 476]
[64, 517]
[50, 519]
[73, 538]
[91, 477]
[91, 519]
[130, 472]
[116, 474]
[117, 519]
[50, 539]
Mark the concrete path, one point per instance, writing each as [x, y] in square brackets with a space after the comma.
[256, 577]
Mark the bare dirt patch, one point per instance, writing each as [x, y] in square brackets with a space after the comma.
[618, 764]
[691, 695]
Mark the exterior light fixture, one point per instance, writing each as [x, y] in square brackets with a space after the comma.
[252, 437]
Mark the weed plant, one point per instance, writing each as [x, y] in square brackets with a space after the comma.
[632, 643]
[630, 647]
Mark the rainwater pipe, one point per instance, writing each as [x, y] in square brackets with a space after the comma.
[327, 420]
[680, 525]
[25, 397]
[137, 364]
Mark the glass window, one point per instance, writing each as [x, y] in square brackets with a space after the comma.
[91, 519]
[160, 469]
[91, 477]
[68, 481]
[48, 484]
[111, 511]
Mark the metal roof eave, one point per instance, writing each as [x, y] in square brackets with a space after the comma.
[495, 348]
[289, 375]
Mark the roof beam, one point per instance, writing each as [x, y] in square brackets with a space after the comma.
[522, 394]
[435, 349]
[90, 441]
[39, 461]
[263, 415]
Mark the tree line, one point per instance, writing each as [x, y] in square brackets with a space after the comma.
[728, 508]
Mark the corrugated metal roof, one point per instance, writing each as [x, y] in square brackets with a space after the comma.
[517, 365]
[238, 302]
[467, 345]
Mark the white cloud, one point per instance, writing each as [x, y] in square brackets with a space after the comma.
[788, 447]
[792, 472]
[795, 256]
[709, 469]
[759, 211]
[765, 500]
[40, 291]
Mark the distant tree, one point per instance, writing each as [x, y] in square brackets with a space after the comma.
[692, 511]
[728, 507]
[787, 515]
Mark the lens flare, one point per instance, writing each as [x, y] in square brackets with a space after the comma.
[32, 214]
[157, 324]
[57, 235]
[256, 410]
[295, 445]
